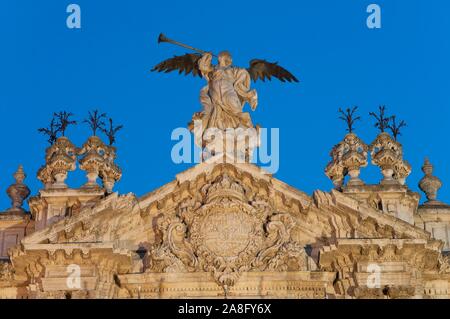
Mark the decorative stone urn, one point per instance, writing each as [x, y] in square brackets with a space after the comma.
[388, 155]
[347, 159]
[97, 159]
[430, 184]
[91, 159]
[18, 192]
[60, 158]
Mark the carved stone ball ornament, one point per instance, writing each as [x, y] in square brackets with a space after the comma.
[224, 233]
[59, 159]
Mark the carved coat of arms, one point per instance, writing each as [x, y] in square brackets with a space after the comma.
[224, 233]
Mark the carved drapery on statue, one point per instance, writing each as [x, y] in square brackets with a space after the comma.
[224, 97]
[221, 232]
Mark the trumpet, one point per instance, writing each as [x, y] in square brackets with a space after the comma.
[163, 38]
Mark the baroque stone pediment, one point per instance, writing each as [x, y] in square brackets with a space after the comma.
[223, 220]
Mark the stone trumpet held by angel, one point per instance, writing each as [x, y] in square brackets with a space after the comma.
[228, 87]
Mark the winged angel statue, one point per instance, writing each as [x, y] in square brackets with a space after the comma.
[228, 87]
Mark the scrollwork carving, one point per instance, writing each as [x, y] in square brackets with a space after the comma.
[225, 233]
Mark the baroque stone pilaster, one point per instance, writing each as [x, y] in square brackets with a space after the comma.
[430, 184]
[387, 154]
[18, 191]
[348, 157]
[97, 159]
[60, 158]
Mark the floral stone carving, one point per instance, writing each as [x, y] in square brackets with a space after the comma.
[59, 159]
[224, 233]
[348, 157]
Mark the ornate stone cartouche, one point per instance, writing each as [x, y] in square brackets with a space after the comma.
[18, 191]
[60, 158]
[429, 184]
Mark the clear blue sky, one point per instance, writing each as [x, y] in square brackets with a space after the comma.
[46, 67]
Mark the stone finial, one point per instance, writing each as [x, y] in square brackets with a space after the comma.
[97, 159]
[18, 191]
[60, 158]
[429, 184]
[387, 154]
[348, 157]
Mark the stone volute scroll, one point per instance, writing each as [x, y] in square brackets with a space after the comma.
[18, 192]
[348, 156]
[430, 184]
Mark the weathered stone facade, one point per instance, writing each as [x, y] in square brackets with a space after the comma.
[226, 230]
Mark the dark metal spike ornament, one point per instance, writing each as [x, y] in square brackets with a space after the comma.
[64, 121]
[349, 117]
[112, 131]
[382, 122]
[395, 128]
[95, 121]
[52, 131]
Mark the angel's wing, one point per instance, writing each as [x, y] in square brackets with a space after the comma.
[184, 63]
[261, 69]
